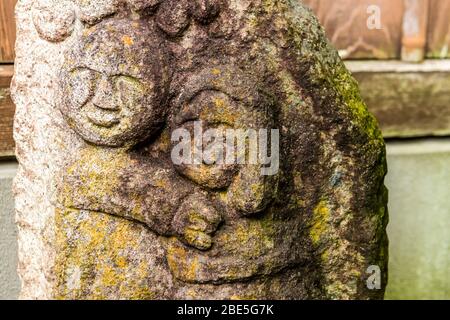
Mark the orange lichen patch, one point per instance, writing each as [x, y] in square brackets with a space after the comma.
[121, 262]
[220, 103]
[219, 109]
[128, 41]
[216, 71]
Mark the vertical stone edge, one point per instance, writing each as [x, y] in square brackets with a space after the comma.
[39, 150]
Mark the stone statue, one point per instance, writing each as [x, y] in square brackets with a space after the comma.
[125, 218]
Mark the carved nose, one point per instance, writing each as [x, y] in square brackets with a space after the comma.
[104, 96]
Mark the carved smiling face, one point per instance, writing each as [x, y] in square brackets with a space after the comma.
[114, 84]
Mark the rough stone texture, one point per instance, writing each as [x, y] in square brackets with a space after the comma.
[102, 211]
[9, 281]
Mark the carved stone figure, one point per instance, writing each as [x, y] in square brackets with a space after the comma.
[131, 86]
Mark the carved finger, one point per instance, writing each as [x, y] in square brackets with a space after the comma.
[198, 239]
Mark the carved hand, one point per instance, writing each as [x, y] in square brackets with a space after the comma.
[195, 222]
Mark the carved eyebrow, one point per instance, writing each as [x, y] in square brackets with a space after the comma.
[210, 79]
[134, 76]
[130, 78]
[187, 115]
[80, 68]
[213, 122]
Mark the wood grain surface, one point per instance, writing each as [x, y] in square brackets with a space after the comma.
[7, 30]
[439, 29]
[345, 22]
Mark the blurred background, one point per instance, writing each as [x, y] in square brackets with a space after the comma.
[399, 51]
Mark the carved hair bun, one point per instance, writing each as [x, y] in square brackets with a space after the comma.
[174, 15]
[92, 11]
[139, 5]
[205, 10]
[53, 19]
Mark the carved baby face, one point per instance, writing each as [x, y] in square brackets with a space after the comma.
[114, 84]
[225, 100]
[210, 112]
[229, 123]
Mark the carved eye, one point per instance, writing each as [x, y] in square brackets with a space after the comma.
[82, 84]
[129, 89]
[213, 107]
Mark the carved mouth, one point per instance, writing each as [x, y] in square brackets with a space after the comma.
[104, 119]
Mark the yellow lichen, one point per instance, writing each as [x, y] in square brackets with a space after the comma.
[247, 297]
[179, 261]
[97, 245]
[216, 71]
[320, 219]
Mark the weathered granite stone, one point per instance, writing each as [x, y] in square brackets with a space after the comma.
[53, 19]
[105, 213]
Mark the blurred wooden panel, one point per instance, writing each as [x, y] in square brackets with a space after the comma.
[7, 30]
[6, 112]
[415, 23]
[346, 23]
[6, 73]
[439, 29]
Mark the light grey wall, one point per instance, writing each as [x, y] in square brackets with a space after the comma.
[419, 228]
[9, 281]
